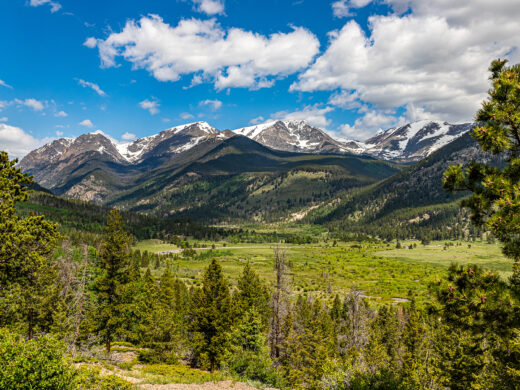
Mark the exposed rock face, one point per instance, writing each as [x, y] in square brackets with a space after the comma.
[414, 141]
[96, 167]
[411, 142]
[297, 136]
[86, 167]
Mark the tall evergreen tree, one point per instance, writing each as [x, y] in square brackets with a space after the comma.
[112, 284]
[251, 295]
[496, 190]
[26, 245]
[212, 320]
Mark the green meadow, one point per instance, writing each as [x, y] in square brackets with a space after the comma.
[382, 273]
[441, 255]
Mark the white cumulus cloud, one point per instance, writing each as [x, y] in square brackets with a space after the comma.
[428, 57]
[16, 142]
[226, 57]
[90, 42]
[61, 114]
[128, 136]
[210, 7]
[343, 8]
[151, 105]
[87, 123]
[369, 123]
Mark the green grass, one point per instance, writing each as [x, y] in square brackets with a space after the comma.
[318, 269]
[382, 272]
[165, 373]
[154, 246]
[481, 253]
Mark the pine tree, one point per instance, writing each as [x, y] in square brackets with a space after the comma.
[212, 319]
[250, 353]
[496, 197]
[112, 284]
[382, 350]
[251, 295]
[26, 245]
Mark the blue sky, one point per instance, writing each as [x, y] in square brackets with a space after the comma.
[133, 68]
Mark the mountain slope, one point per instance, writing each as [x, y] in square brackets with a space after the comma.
[408, 143]
[241, 179]
[404, 204]
[414, 141]
[296, 136]
[194, 170]
[93, 166]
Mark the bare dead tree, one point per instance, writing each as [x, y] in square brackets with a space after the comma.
[73, 277]
[79, 300]
[355, 322]
[279, 300]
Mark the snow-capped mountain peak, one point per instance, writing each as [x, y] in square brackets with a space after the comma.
[293, 136]
[415, 140]
[174, 140]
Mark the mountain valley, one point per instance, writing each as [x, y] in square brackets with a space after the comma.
[277, 171]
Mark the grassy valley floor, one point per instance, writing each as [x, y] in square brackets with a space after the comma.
[383, 273]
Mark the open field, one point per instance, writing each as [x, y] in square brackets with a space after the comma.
[481, 253]
[383, 273]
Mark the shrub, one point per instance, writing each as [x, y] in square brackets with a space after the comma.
[34, 364]
[89, 378]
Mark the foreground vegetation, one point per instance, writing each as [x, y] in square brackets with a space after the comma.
[295, 316]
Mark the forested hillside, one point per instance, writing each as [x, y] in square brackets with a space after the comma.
[241, 180]
[410, 204]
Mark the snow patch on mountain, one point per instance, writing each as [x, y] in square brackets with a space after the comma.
[415, 140]
[294, 136]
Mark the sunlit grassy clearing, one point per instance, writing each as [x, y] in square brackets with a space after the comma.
[481, 253]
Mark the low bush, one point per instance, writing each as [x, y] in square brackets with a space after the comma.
[34, 364]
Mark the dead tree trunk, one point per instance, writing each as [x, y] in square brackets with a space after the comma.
[279, 301]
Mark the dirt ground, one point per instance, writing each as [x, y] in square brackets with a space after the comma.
[225, 385]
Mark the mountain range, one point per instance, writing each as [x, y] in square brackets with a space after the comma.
[281, 169]
[407, 143]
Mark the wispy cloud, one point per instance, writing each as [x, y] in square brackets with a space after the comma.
[257, 120]
[55, 6]
[186, 115]
[4, 84]
[36, 105]
[93, 86]
[215, 105]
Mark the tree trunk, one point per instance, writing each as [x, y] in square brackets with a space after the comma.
[31, 324]
[81, 300]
